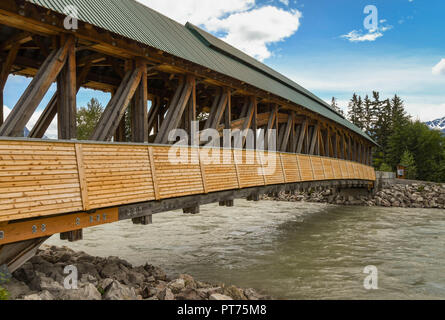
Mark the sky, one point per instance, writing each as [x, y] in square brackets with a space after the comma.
[332, 48]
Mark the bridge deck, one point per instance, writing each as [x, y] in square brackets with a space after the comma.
[42, 178]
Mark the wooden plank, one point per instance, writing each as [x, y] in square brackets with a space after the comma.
[303, 133]
[82, 180]
[153, 173]
[235, 161]
[260, 158]
[282, 168]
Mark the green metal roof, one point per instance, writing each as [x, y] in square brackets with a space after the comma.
[135, 21]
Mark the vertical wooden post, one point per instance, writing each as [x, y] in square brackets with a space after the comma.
[66, 97]
[255, 124]
[139, 110]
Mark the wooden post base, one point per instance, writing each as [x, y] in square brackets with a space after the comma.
[72, 236]
[191, 210]
[145, 221]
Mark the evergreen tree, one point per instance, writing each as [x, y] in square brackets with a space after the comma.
[353, 111]
[335, 106]
[368, 115]
[87, 119]
[399, 115]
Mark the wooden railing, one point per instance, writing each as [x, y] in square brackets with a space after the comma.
[42, 178]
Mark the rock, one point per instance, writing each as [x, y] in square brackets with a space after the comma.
[188, 294]
[117, 291]
[166, 294]
[219, 297]
[86, 292]
[136, 278]
[16, 288]
[252, 294]
[45, 295]
[176, 285]
[189, 281]
[205, 293]
[235, 293]
[87, 278]
[43, 283]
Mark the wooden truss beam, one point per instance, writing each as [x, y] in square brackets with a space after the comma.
[176, 110]
[5, 71]
[34, 93]
[287, 132]
[49, 113]
[117, 106]
[303, 135]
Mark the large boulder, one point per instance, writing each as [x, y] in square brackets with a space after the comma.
[85, 292]
[117, 291]
[45, 295]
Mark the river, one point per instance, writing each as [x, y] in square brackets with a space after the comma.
[289, 250]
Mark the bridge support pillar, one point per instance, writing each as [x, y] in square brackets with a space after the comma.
[145, 221]
[253, 197]
[72, 236]
[192, 210]
[227, 203]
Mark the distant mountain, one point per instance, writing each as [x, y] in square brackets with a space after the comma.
[438, 124]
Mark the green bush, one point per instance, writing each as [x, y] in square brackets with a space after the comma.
[410, 164]
[385, 168]
[4, 294]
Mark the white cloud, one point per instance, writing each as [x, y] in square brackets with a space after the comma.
[371, 35]
[358, 36]
[253, 30]
[439, 68]
[52, 131]
[242, 23]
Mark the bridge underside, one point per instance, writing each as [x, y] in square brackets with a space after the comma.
[50, 187]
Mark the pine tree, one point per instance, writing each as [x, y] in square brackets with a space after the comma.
[335, 106]
[398, 114]
[87, 119]
[353, 110]
[368, 115]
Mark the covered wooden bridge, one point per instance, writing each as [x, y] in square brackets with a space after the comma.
[125, 170]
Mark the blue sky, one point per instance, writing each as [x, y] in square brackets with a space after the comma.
[316, 43]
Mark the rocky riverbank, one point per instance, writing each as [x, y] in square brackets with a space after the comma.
[43, 278]
[416, 195]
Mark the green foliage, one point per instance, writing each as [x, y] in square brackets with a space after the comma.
[385, 168]
[87, 119]
[426, 146]
[410, 164]
[389, 125]
[4, 294]
[101, 290]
